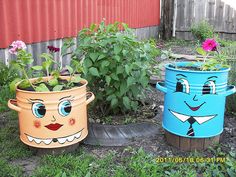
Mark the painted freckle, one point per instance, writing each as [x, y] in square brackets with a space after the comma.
[37, 124]
[72, 121]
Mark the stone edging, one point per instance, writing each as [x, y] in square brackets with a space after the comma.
[120, 135]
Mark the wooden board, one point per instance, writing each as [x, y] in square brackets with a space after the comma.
[190, 144]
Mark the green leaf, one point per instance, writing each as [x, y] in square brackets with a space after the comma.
[117, 58]
[76, 79]
[119, 70]
[130, 81]
[123, 88]
[53, 82]
[108, 80]
[94, 71]
[93, 56]
[114, 102]
[117, 49]
[101, 56]
[70, 69]
[13, 84]
[42, 88]
[37, 68]
[24, 84]
[88, 63]
[201, 51]
[127, 69]
[105, 63]
[126, 102]
[58, 87]
[114, 76]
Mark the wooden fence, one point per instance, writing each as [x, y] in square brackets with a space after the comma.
[222, 16]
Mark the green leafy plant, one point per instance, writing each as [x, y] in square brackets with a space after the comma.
[202, 30]
[8, 74]
[49, 68]
[116, 65]
[213, 59]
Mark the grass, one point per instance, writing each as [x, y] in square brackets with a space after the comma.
[137, 163]
[5, 95]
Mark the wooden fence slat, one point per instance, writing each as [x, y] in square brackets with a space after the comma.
[216, 12]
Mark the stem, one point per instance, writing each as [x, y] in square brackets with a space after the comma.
[26, 76]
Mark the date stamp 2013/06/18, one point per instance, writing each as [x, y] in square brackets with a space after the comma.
[190, 159]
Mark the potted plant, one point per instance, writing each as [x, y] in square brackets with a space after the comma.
[118, 67]
[52, 109]
[194, 101]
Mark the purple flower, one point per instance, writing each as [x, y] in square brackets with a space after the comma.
[209, 45]
[53, 49]
[17, 45]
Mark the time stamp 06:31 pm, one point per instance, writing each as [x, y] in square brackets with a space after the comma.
[191, 159]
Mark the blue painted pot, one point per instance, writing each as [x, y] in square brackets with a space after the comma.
[194, 101]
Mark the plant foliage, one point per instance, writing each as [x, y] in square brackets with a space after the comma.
[116, 65]
[202, 30]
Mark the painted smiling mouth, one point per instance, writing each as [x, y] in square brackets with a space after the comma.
[60, 140]
[194, 108]
[53, 127]
[199, 119]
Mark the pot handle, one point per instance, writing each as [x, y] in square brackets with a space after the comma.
[230, 90]
[161, 86]
[12, 105]
[91, 98]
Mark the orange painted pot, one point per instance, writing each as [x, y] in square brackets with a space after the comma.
[52, 119]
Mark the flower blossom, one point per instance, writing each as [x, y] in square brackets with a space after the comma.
[17, 45]
[53, 49]
[209, 45]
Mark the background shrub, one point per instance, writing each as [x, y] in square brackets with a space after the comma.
[116, 65]
[230, 51]
[202, 30]
[7, 75]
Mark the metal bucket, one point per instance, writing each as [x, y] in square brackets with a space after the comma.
[52, 119]
[194, 101]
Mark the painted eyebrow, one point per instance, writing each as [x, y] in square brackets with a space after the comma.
[35, 100]
[181, 75]
[212, 77]
[64, 97]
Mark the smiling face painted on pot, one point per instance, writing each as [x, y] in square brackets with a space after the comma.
[194, 104]
[56, 122]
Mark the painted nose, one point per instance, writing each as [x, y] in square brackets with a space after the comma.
[195, 98]
[54, 119]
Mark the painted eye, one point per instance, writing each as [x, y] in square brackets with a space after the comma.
[38, 110]
[209, 88]
[64, 108]
[182, 85]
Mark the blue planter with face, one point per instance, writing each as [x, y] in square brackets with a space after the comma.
[194, 101]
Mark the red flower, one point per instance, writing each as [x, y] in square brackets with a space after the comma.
[209, 45]
[53, 49]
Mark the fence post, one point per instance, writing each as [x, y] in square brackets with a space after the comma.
[167, 12]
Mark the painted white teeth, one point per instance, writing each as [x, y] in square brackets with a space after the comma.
[30, 138]
[77, 135]
[61, 140]
[47, 141]
[71, 138]
[37, 140]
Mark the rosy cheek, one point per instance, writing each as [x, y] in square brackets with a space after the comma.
[72, 121]
[37, 123]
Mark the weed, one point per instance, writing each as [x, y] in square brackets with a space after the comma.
[202, 30]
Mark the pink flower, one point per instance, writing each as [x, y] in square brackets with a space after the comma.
[209, 45]
[17, 45]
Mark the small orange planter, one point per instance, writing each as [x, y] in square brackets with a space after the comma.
[52, 119]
